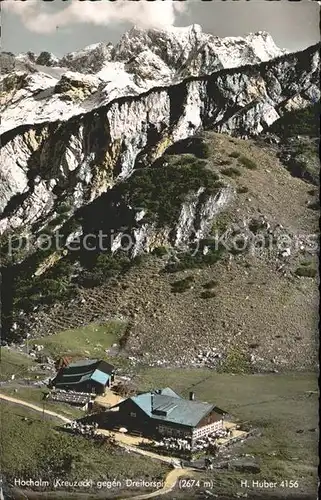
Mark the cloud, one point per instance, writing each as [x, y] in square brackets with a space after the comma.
[39, 18]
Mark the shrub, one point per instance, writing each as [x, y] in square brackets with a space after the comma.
[139, 260]
[60, 219]
[308, 272]
[220, 224]
[235, 362]
[163, 188]
[196, 259]
[203, 150]
[299, 122]
[231, 172]
[255, 225]
[194, 145]
[200, 163]
[104, 267]
[235, 154]
[242, 189]
[210, 284]
[160, 251]
[71, 226]
[183, 159]
[182, 285]
[47, 288]
[111, 264]
[314, 205]
[219, 185]
[63, 208]
[254, 345]
[208, 294]
[247, 162]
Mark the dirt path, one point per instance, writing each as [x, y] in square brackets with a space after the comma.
[169, 484]
[34, 407]
[131, 443]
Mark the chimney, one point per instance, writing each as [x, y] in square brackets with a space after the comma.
[191, 396]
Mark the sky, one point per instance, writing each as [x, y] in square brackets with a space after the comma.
[62, 26]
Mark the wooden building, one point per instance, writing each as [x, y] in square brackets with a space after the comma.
[89, 375]
[165, 413]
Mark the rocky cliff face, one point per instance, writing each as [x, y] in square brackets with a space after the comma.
[108, 139]
[46, 161]
[44, 88]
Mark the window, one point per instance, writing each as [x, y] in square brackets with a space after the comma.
[132, 414]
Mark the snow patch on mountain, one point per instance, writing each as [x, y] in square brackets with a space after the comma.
[90, 59]
[100, 73]
[85, 157]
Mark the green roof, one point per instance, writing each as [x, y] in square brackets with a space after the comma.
[165, 405]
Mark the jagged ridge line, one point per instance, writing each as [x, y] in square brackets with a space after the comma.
[258, 68]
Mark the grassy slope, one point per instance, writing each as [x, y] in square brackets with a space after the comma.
[271, 188]
[237, 315]
[278, 405]
[30, 448]
[91, 340]
[13, 363]
[35, 395]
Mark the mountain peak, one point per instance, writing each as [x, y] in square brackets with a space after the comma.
[142, 59]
